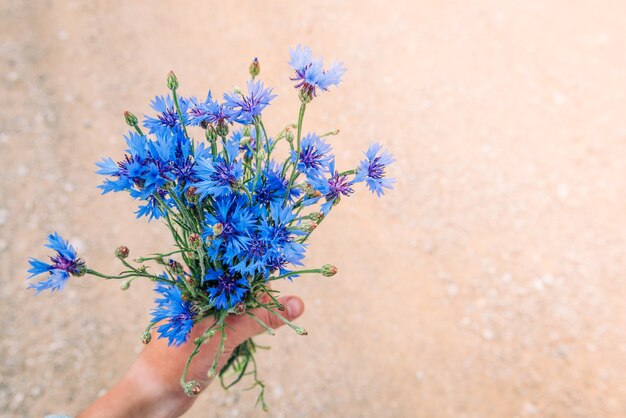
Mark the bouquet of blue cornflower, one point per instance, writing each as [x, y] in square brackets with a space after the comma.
[240, 219]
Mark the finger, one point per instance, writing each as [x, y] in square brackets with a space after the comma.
[246, 326]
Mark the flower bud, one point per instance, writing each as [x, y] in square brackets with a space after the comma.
[255, 68]
[239, 309]
[309, 227]
[125, 284]
[245, 140]
[191, 195]
[329, 270]
[195, 241]
[300, 330]
[172, 81]
[131, 119]
[192, 388]
[218, 228]
[246, 131]
[305, 95]
[159, 260]
[122, 252]
[222, 128]
[210, 133]
[79, 268]
[146, 337]
[316, 217]
[237, 90]
[289, 135]
[176, 267]
[310, 192]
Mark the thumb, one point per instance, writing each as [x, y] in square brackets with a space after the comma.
[246, 325]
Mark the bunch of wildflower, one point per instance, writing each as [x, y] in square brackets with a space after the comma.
[239, 216]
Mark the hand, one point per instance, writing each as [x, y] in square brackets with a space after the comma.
[151, 387]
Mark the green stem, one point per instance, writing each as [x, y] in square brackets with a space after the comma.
[294, 170]
[155, 256]
[138, 129]
[198, 342]
[220, 348]
[267, 140]
[105, 276]
[299, 330]
[317, 271]
[335, 132]
[269, 330]
[180, 114]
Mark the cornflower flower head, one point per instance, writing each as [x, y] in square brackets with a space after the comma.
[279, 230]
[249, 105]
[272, 186]
[225, 288]
[167, 119]
[61, 266]
[314, 155]
[175, 311]
[310, 73]
[219, 176]
[253, 257]
[210, 111]
[236, 220]
[333, 187]
[372, 169]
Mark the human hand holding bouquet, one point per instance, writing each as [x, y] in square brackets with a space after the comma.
[240, 217]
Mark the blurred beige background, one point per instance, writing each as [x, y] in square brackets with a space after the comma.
[489, 283]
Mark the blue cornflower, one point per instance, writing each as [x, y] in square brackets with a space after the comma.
[176, 311]
[253, 258]
[248, 148]
[218, 177]
[372, 169]
[314, 155]
[210, 111]
[62, 265]
[251, 105]
[226, 289]
[278, 230]
[151, 208]
[236, 219]
[310, 73]
[332, 188]
[167, 120]
[272, 186]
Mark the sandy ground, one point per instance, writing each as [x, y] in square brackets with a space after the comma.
[490, 283]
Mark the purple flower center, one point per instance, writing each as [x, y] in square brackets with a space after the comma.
[257, 248]
[223, 175]
[184, 171]
[310, 157]
[228, 230]
[61, 263]
[169, 117]
[339, 185]
[376, 170]
[282, 234]
[226, 283]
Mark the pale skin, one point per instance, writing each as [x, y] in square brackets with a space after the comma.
[151, 386]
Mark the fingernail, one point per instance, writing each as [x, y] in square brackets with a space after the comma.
[294, 307]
